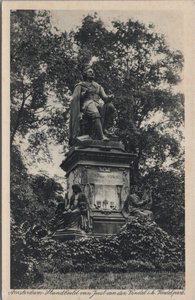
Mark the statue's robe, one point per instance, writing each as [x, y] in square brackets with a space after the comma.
[74, 126]
[77, 214]
[80, 103]
[134, 206]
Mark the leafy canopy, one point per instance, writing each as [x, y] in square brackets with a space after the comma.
[129, 58]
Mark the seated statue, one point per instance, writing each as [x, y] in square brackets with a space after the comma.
[134, 206]
[76, 213]
[91, 111]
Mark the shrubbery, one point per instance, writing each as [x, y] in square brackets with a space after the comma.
[140, 246]
[24, 253]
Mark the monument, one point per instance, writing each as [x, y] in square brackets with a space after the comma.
[96, 161]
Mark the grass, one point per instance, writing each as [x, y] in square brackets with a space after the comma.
[133, 280]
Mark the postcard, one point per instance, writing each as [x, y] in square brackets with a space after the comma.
[97, 150]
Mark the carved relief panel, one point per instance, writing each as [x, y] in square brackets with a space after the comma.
[73, 178]
[105, 187]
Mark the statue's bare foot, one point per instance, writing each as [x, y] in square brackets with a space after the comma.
[111, 132]
[105, 138]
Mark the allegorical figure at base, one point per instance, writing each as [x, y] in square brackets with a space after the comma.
[75, 215]
[136, 206]
[89, 115]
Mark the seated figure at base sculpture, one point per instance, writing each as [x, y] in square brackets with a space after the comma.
[91, 110]
[134, 206]
[76, 214]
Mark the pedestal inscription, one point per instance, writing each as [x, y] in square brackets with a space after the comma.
[104, 188]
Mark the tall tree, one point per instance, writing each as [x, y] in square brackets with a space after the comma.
[41, 68]
[135, 62]
[137, 65]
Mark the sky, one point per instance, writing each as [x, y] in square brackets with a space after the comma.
[167, 22]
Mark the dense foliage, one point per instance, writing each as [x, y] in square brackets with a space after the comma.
[131, 60]
[135, 63]
[33, 202]
[140, 246]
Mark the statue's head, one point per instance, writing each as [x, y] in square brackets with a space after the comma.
[76, 188]
[147, 187]
[88, 73]
[133, 189]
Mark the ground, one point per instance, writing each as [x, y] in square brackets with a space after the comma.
[133, 280]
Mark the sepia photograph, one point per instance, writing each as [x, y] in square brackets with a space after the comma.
[97, 149]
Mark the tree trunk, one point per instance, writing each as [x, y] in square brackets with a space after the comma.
[136, 166]
[18, 118]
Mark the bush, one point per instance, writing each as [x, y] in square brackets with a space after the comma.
[139, 265]
[140, 246]
[24, 267]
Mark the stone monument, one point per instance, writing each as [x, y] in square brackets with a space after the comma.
[96, 160]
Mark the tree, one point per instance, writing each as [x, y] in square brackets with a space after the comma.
[41, 64]
[137, 65]
[33, 202]
[131, 58]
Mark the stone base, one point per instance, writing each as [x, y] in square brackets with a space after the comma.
[87, 142]
[102, 169]
[106, 222]
[69, 234]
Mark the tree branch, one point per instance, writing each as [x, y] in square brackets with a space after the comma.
[24, 98]
[166, 121]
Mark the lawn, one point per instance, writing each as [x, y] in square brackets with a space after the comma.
[133, 280]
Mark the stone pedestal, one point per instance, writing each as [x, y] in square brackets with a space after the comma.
[102, 168]
[106, 222]
[69, 234]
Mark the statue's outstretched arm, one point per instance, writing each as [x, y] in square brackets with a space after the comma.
[106, 98]
[147, 197]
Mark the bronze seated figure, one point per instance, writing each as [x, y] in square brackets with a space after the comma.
[92, 112]
[76, 214]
